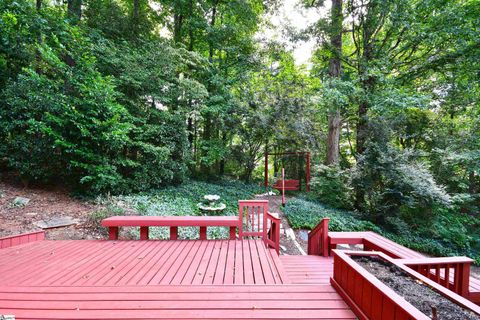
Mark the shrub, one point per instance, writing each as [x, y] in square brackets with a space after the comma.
[306, 214]
[394, 183]
[62, 120]
[447, 234]
[330, 185]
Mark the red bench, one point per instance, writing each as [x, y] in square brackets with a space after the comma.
[144, 222]
[18, 239]
[287, 185]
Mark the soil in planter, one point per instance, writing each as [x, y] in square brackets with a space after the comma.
[419, 295]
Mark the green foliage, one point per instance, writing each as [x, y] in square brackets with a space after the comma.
[331, 185]
[307, 214]
[395, 184]
[447, 234]
[62, 119]
[182, 200]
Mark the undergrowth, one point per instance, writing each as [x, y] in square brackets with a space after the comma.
[182, 200]
[447, 235]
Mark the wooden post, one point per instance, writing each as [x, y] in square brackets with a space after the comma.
[233, 233]
[203, 233]
[307, 182]
[283, 186]
[143, 233]
[113, 233]
[266, 170]
[325, 246]
[464, 279]
[173, 233]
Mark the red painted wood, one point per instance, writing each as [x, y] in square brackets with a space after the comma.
[318, 239]
[233, 233]
[229, 277]
[283, 184]
[192, 269]
[171, 260]
[226, 302]
[239, 270]
[385, 303]
[296, 186]
[144, 222]
[113, 233]
[307, 181]
[203, 233]
[436, 270]
[144, 233]
[173, 233]
[19, 239]
[167, 221]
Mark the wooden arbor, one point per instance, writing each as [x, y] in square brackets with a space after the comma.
[283, 185]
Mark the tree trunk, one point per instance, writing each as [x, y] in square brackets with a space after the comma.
[74, 9]
[212, 25]
[177, 27]
[208, 123]
[333, 139]
[39, 5]
[335, 70]
[135, 17]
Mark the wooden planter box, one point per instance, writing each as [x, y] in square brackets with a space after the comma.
[370, 298]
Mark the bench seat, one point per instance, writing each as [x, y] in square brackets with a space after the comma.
[166, 221]
[144, 222]
[287, 185]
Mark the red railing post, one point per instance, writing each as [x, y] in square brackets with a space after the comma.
[318, 239]
[307, 182]
[266, 170]
[203, 233]
[173, 233]
[464, 278]
[272, 236]
[113, 233]
[325, 237]
[439, 270]
[143, 233]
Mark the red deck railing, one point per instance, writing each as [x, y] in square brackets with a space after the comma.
[16, 240]
[318, 239]
[144, 222]
[272, 232]
[453, 272]
[254, 221]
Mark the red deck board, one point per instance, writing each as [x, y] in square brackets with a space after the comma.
[308, 269]
[156, 279]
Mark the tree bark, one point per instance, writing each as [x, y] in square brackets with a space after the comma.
[177, 27]
[335, 70]
[135, 17]
[39, 5]
[74, 9]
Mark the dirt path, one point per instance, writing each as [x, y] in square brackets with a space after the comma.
[288, 245]
[44, 204]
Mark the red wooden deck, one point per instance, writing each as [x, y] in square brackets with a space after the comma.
[118, 263]
[183, 279]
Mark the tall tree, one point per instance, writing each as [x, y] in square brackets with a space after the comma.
[74, 9]
[335, 71]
